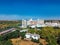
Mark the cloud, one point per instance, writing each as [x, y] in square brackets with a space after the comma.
[19, 17]
[9, 17]
[15, 17]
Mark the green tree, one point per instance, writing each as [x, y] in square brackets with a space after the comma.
[22, 34]
[31, 31]
[6, 42]
[34, 40]
[48, 33]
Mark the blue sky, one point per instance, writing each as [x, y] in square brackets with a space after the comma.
[25, 9]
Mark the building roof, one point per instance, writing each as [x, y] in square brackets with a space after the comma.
[33, 34]
[24, 30]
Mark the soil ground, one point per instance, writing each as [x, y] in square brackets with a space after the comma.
[18, 41]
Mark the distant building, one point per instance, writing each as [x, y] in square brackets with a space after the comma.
[28, 22]
[31, 22]
[41, 25]
[40, 21]
[24, 24]
[53, 23]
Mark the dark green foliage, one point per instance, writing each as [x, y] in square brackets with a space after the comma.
[39, 27]
[22, 34]
[11, 35]
[48, 33]
[6, 42]
[40, 44]
[14, 34]
[1, 38]
[58, 39]
[31, 31]
[56, 27]
[38, 32]
[5, 39]
[34, 40]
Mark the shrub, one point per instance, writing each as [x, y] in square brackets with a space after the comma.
[40, 44]
[34, 40]
[22, 34]
[6, 42]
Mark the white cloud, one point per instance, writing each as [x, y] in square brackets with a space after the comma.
[9, 17]
[18, 17]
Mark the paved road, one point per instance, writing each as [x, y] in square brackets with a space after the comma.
[6, 31]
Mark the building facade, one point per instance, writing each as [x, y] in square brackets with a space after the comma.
[24, 24]
[40, 23]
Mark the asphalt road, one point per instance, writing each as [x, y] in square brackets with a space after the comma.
[6, 31]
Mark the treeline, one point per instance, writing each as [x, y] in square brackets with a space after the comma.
[8, 24]
[8, 36]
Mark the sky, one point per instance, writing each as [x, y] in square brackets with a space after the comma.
[26, 9]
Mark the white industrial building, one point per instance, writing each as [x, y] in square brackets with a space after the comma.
[32, 36]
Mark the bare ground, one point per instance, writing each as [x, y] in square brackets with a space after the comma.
[18, 41]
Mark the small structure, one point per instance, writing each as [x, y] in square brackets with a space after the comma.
[35, 36]
[40, 25]
[32, 36]
[26, 30]
[28, 35]
[33, 26]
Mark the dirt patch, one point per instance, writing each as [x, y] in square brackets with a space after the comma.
[43, 41]
[18, 41]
